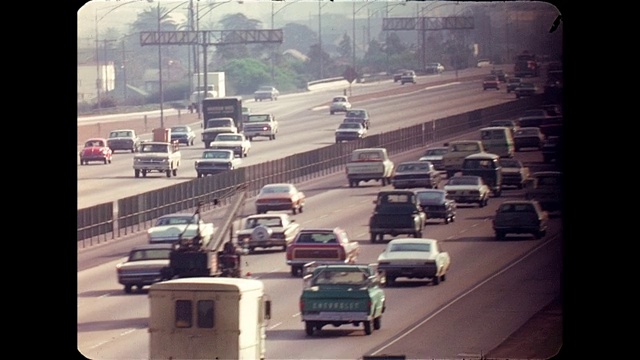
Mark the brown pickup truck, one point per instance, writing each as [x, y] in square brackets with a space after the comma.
[322, 245]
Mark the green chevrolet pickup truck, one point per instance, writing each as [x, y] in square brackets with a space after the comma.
[341, 294]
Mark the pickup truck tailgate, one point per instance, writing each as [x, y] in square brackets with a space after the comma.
[365, 167]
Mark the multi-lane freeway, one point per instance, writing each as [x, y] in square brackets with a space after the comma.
[492, 288]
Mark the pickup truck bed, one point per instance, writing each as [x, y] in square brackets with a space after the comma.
[394, 218]
[342, 294]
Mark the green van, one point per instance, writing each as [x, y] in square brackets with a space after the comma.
[498, 140]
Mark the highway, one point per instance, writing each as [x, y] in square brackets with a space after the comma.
[493, 287]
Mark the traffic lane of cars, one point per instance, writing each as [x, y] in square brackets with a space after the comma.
[473, 231]
[97, 185]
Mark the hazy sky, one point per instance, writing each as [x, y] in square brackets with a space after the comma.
[120, 13]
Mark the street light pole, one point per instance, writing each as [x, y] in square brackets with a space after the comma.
[160, 73]
[273, 13]
[319, 34]
[353, 60]
[99, 72]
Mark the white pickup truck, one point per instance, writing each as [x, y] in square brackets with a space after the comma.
[170, 228]
[369, 164]
[158, 156]
[264, 125]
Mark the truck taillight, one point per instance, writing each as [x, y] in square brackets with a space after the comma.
[301, 305]
[289, 253]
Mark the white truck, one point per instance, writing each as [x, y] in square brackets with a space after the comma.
[215, 88]
[264, 125]
[369, 164]
[158, 156]
[208, 318]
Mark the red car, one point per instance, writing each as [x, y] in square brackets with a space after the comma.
[280, 196]
[95, 149]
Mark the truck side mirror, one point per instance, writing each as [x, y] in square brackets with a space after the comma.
[267, 309]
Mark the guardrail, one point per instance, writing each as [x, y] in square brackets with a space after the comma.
[135, 213]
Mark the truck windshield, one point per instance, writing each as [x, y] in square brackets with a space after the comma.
[149, 148]
[330, 277]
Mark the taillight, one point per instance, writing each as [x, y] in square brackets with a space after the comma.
[301, 305]
[289, 253]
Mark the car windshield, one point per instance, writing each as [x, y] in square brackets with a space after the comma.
[179, 129]
[430, 195]
[432, 152]
[258, 118]
[224, 137]
[339, 99]
[355, 113]
[149, 148]
[527, 132]
[269, 222]
[149, 254]
[216, 155]
[275, 189]
[512, 163]
[175, 220]
[93, 143]
[421, 166]
[116, 134]
[410, 247]
[219, 123]
[341, 277]
[464, 181]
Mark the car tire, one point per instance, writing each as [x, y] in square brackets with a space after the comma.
[443, 277]
[127, 289]
[436, 280]
[309, 327]
[136, 173]
[446, 220]
[377, 322]
[373, 237]
[500, 235]
[168, 172]
[368, 327]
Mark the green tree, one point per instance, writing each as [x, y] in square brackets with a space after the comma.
[394, 45]
[312, 67]
[375, 59]
[226, 53]
[344, 47]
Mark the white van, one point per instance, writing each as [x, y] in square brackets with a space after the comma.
[208, 318]
[498, 140]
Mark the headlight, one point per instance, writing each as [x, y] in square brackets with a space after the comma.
[165, 160]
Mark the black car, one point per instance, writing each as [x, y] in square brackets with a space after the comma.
[183, 134]
[436, 205]
[513, 83]
[502, 76]
[361, 114]
[552, 149]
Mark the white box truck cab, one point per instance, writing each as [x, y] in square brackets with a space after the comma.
[208, 318]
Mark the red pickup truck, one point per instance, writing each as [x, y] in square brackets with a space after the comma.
[322, 245]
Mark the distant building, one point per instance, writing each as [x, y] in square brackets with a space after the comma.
[92, 77]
